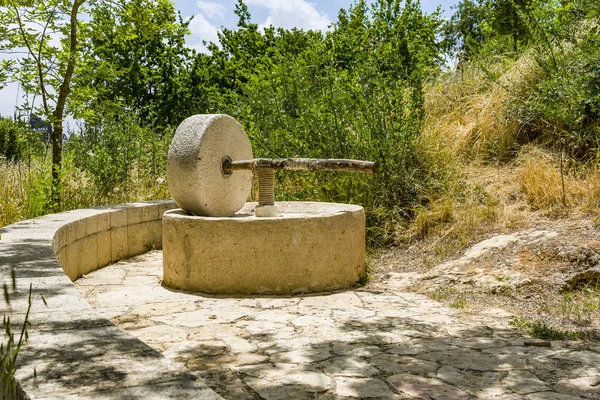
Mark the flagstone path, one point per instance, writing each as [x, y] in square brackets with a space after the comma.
[385, 344]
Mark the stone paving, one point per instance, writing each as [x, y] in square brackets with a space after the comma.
[384, 344]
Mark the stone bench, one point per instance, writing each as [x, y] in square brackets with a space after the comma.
[72, 351]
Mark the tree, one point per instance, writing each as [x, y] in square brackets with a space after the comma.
[465, 29]
[135, 59]
[44, 34]
[9, 139]
[506, 19]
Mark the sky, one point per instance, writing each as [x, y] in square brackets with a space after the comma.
[211, 15]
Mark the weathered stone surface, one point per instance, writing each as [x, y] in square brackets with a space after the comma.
[301, 356]
[333, 346]
[306, 320]
[587, 386]
[524, 382]
[589, 358]
[551, 396]
[159, 334]
[590, 276]
[212, 363]
[202, 317]
[358, 350]
[394, 364]
[348, 366]
[227, 384]
[361, 388]
[418, 386]
[320, 246]
[73, 351]
[335, 301]
[472, 360]
[196, 154]
[479, 384]
[278, 381]
[182, 389]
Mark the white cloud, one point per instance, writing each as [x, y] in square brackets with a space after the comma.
[293, 13]
[211, 10]
[201, 30]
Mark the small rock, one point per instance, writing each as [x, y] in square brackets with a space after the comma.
[538, 343]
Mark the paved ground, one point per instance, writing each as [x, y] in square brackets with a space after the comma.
[353, 344]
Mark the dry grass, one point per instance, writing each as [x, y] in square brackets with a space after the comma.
[469, 108]
[495, 182]
[546, 188]
[486, 200]
[11, 194]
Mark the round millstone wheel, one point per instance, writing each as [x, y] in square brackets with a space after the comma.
[195, 160]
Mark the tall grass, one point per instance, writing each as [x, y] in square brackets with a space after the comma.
[25, 189]
[554, 189]
[470, 108]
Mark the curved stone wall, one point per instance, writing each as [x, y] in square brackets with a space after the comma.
[72, 351]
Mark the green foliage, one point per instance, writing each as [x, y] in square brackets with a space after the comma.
[110, 151]
[48, 66]
[11, 345]
[326, 98]
[562, 108]
[506, 19]
[558, 105]
[41, 73]
[465, 30]
[11, 138]
[497, 24]
[541, 330]
[135, 60]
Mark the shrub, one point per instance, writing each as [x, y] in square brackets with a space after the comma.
[10, 139]
[363, 101]
[117, 151]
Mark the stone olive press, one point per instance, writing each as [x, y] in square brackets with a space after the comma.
[218, 243]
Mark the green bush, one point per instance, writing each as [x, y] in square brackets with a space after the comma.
[336, 101]
[116, 149]
[563, 109]
[10, 140]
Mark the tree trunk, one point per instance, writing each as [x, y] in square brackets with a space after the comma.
[59, 111]
[57, 133]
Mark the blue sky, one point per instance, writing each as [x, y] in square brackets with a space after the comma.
[211, 15]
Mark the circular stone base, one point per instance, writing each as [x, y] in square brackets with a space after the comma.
[309, 247]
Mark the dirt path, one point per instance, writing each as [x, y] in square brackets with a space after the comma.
[385, 343]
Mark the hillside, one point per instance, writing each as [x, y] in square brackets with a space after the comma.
[517, 224]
